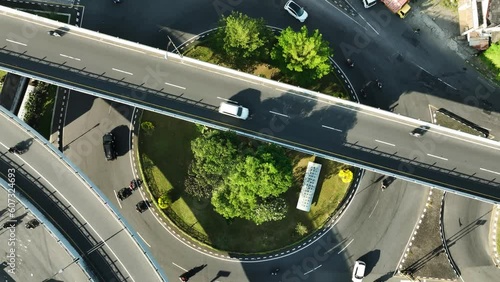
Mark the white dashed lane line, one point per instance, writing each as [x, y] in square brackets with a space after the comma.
[483, 169]
[173, 85]
[346, 246]
[386, 143]
[275, 113]
[312, 269]
[122, 71]
[15, 42]
[332, 128]
[437, 157]
[69, 57]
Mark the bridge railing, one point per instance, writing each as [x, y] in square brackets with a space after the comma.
[71, 167]
[53, 231]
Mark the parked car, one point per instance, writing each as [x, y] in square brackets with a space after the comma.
[233, 110]
[359, 271]
[124, 193]
[142, 206]
[108, 142]
[296, 11]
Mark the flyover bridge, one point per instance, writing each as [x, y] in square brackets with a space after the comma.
[303, 120]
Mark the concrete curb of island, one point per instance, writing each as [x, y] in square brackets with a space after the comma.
[413, 234]
[494, 236]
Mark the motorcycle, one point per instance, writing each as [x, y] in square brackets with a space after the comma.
[54, 33]
[32, 224]
[134, 184]
[350, 63]
[17, 150]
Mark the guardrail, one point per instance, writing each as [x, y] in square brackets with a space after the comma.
[139, 243]
[187, 60]
[258, 80]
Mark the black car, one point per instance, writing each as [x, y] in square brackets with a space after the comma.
[142, 206]
[124, 193]
[386, 182]
[108, 142]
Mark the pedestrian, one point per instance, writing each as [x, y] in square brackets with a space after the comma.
[379, 84]
[416, 30]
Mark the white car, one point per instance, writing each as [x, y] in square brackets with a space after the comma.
[296, 11]
[359, 271]
[233, 110]
[369, 3]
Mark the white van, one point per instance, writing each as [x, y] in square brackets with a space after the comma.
[233, 110]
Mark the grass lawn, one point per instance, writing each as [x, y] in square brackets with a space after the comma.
[492, 59]
[44, 124]
[446, 121]
[2, 74]
[165, 157]
[204, 51]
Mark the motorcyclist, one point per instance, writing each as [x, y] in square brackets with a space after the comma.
[54, 33]
[350, 63]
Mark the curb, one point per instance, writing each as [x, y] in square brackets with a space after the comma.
[202, 248]
[453, 265]
[494, 235]
[399, 268]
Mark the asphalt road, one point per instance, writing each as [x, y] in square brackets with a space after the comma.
[82, 217]
[460, 163]
[381, 44]
[375, 227]
[39, 255]
[467, 226]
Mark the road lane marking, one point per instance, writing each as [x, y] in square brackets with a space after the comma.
[16, 42]
[144, 240]
[118, 200]
[104, 243]
[283, 115]
[373, 209]
[483, 169]
[437, 157]
[313, 269]
[331, 128]
[346, 246]
[449, 85]
[122, 71]
[334, 247]
[386, 143]
[173, 85]
[179, 266]
[69, 57]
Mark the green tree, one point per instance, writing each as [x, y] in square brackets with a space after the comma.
[250, 191]
[214, 154]
[242, 37]
[148, 127]
[301, 56]
[35, 103]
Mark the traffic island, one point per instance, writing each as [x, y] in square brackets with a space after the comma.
[165, 157]
[425, 256]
